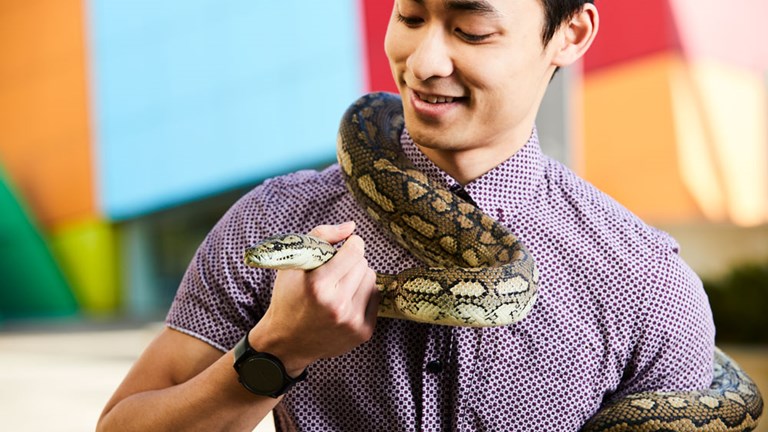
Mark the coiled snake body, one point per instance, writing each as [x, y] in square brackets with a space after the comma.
[478, 273]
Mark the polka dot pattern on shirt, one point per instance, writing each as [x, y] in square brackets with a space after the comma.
[618, 310]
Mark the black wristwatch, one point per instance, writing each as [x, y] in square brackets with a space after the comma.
[262, 373]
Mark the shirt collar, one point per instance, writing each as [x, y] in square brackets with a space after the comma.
[517, 180]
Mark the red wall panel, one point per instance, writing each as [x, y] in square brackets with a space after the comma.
[629, 30]
[376, 14]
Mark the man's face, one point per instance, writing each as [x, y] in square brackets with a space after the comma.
[471, 72]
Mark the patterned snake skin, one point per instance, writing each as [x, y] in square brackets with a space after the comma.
[479, 274]
[732, 403]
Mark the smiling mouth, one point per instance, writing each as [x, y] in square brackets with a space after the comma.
[433, 99]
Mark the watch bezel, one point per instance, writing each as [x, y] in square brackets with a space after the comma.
[245, 354]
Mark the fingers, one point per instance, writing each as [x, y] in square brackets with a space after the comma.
[346, 285]
[366, 290]
[370, 302]
[362, 296]
[358, 287]
[336, 283]
[351, 254]
[327, 311]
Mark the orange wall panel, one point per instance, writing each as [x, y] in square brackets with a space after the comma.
[44, 127]
[629, 144]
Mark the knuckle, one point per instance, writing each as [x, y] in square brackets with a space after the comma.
[370, 274]
[367, 333]
[321, 292]
[315, 286]
[363, 336]
[364, 329]
[355, 244]
[335, 315]
[348, 319]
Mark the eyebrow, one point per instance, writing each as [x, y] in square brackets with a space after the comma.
[481, 7]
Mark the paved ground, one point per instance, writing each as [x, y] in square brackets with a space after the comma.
[59, 379]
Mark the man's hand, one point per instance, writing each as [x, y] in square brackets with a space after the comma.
[321, 313]
[183, 383]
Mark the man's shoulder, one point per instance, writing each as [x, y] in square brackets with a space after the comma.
[580, 191]
[299, 188]
[598, 211]
[297, 184]
[287, 203]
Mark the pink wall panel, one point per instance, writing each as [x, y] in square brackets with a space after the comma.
[733, 33]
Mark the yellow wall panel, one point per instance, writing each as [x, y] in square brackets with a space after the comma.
[87, 251]
[698, 163]
[629, 145]
[734, 104]
[44, 127]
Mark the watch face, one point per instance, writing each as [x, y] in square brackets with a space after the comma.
[261, 375]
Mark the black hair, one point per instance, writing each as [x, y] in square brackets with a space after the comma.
[556, 13]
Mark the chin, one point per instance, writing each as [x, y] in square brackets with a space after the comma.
[430, 139]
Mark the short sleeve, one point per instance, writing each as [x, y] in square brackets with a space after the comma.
[220, 298]
[217, 300]
[675, 346]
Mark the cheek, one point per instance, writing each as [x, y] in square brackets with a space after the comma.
[393, 45]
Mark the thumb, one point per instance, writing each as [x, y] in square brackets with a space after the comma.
[333, 233]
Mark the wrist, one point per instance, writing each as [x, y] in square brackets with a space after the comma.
[266, 341]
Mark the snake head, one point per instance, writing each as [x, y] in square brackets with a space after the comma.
[289, 251]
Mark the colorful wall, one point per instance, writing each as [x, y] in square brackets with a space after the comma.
[675, 109]
[114, 111]
[46, 151]
[111, 110]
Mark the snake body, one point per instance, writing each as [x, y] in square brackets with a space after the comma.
[477, 272]
[732, 403]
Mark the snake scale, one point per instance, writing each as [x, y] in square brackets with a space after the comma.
[477, 273]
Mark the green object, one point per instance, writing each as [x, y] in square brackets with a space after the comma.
[738, 301]
[31, 283]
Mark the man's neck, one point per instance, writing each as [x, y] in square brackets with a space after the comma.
[467, 165]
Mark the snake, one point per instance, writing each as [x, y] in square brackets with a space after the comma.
[476, 272]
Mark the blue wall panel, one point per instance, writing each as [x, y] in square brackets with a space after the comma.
[192, 97]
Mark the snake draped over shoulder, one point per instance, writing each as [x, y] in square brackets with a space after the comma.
[477, 273]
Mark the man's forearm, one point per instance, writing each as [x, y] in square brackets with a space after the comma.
[211, 401]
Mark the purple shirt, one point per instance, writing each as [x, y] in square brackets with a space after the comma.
[618, 310]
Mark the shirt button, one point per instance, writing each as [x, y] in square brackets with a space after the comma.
[435, 366]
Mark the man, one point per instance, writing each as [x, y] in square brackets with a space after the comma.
[618, 311]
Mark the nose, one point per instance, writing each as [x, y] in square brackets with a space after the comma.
[431, 56]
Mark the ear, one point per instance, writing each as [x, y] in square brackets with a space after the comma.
[575, 37]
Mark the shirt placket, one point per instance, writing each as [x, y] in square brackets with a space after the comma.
[435, 384]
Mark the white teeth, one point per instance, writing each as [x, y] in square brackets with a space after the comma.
[436, 99]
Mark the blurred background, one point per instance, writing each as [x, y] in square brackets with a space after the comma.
[127, 128]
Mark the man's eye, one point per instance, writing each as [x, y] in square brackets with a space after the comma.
[409, 21]
[469, 37]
